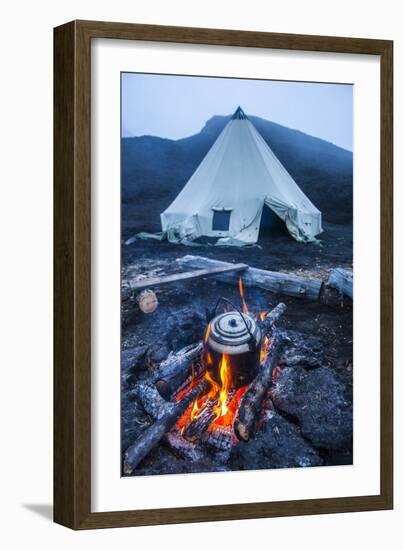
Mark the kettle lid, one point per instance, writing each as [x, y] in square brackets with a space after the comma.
[233, 329]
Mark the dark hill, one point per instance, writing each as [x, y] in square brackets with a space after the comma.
[154, 169]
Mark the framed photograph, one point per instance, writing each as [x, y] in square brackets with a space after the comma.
[223, 275]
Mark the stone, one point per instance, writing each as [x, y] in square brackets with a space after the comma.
[316, 400]
[277, 444]
[162, 461]
[184, 328]
[134, 359]
[157, 353]
[303, 351]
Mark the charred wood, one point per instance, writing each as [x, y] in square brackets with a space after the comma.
[152, 401]
[219, 438]
[205, 418]
[200, 424]
[178, 369]
[181, 447]
[267, 324]
[251, 404]
[157, 407]
[153, 435]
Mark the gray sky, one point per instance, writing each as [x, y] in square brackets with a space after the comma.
[178, 106]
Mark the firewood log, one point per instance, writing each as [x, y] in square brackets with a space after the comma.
[219, 438]
[342, 280]
[279, 283]
[181, 447]
[153, 435]
[200, 424]
[147, 301]
[178, 369]
[153, 403]
[266, 324]
[157, 407]
[251, 403]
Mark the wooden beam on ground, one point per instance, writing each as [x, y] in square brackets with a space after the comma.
[279, 283]
[342, 280]
[174, 277]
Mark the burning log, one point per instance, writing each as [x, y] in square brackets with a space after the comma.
[251, 403]
[200, 424]
[342, 280]
[267, 323]
[204, 419]
[177, 370]
[157, 407]
[220, 441]
[279, 283]
[153, 435]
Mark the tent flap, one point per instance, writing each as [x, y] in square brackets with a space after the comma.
[302, 226]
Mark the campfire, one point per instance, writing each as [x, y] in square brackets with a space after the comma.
[217, 410]
[213, 392]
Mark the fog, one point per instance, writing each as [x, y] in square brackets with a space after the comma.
[178, 106]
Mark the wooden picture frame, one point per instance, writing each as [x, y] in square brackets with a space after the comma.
[72, 271]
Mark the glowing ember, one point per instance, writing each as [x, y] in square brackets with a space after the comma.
[276, 372]
[227, 420]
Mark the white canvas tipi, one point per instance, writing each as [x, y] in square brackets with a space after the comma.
[225, 196]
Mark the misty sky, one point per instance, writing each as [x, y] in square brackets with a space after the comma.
[178, 106]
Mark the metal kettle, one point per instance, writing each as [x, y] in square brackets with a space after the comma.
[238, 336]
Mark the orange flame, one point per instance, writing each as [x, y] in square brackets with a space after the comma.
[227, 401]
[264, 349]
[186, 390]
[244, 305]
[225, 378]
[227, 420]
[196, 409]
[208, 331]
[214, 386]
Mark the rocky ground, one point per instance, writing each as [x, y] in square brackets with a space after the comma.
[308, 418]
